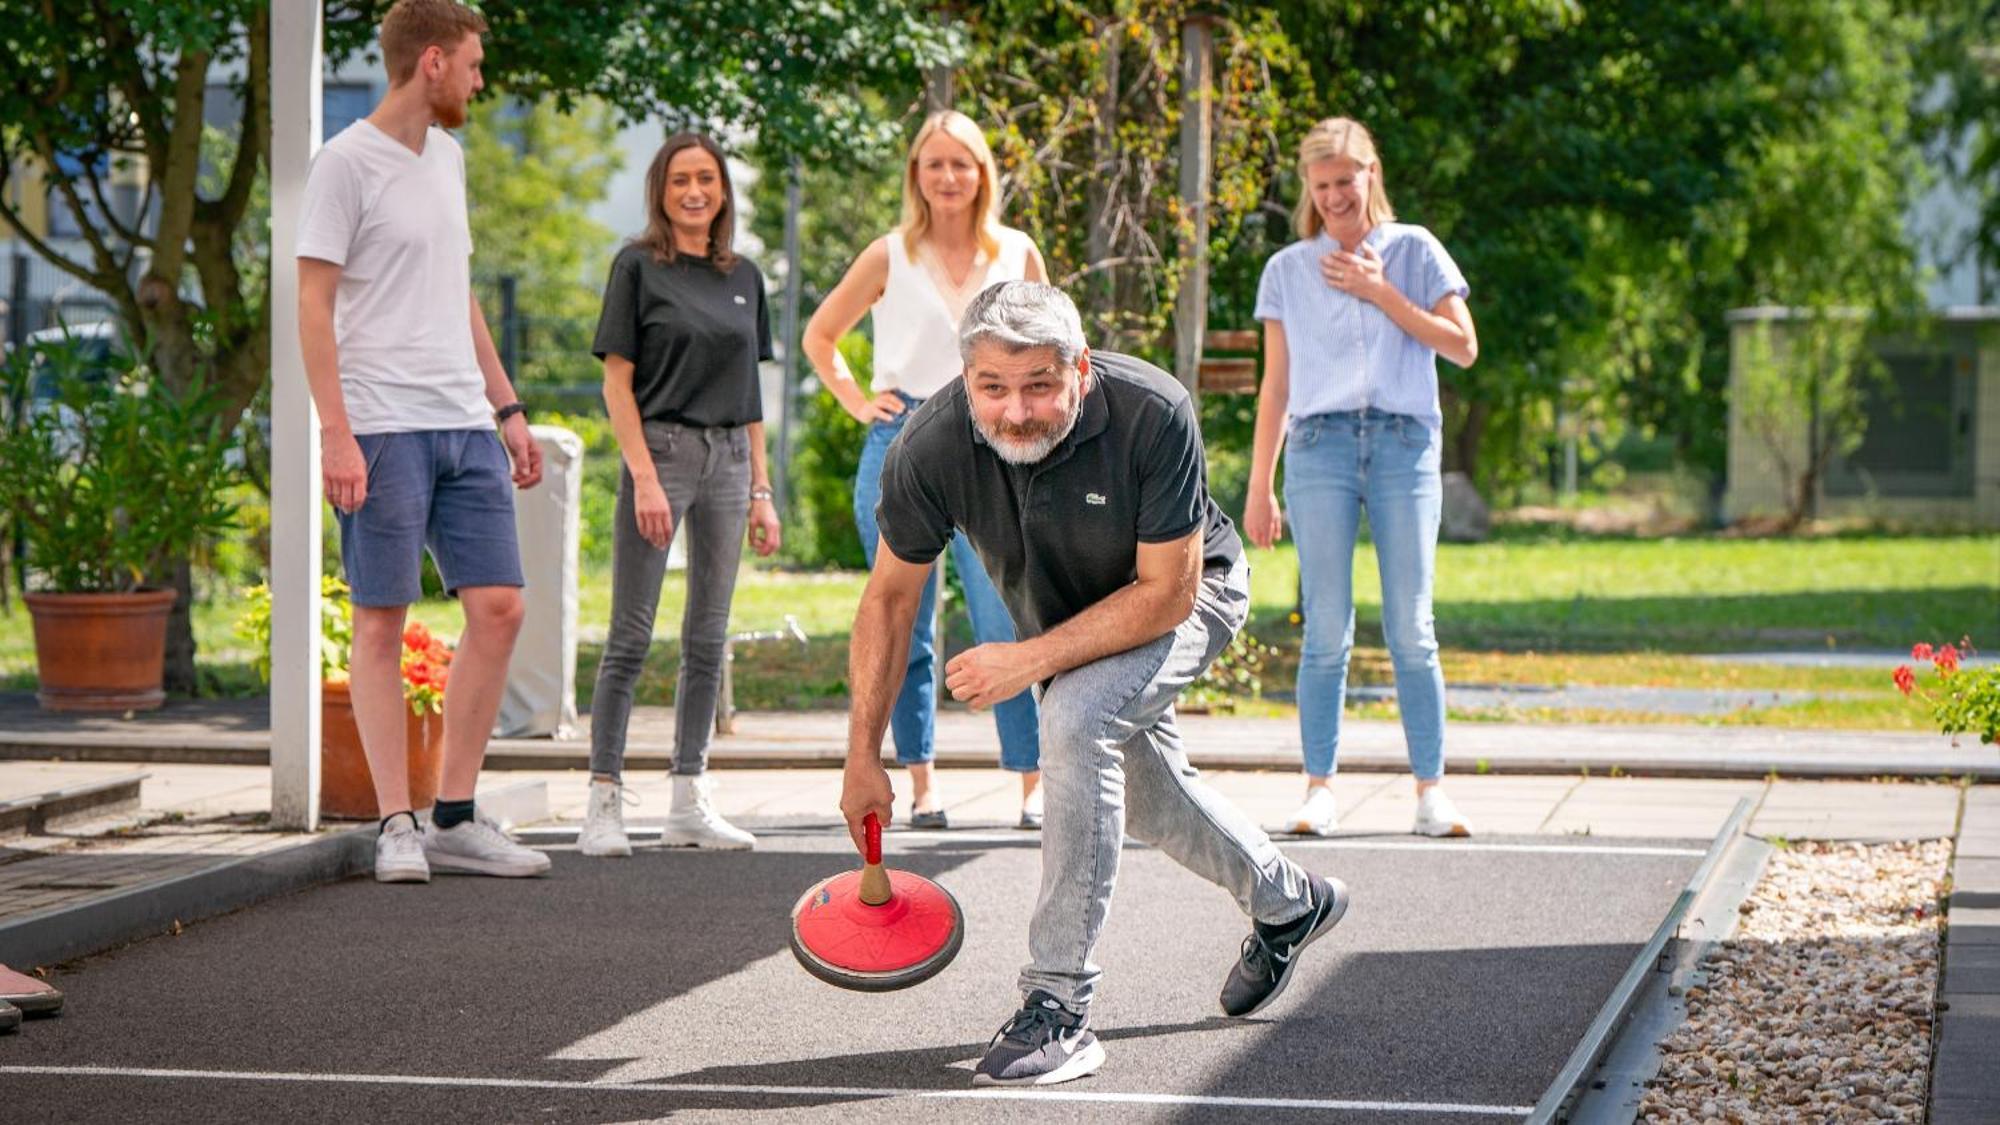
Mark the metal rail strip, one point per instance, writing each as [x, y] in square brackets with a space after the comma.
[1562, 1094]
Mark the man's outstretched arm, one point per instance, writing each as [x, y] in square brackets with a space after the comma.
[878, 652]
[1160, 598]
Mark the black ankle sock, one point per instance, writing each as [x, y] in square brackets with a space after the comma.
[384, 826]
[445, 814]
[1273, 931]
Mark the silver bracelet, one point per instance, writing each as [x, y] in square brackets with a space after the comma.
[760, 493]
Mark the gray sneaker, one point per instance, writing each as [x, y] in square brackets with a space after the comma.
[479, 847]
[1043, 1044]
[1270, 954]
[399, 852]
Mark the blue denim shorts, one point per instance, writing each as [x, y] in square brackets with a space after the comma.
[451, 491]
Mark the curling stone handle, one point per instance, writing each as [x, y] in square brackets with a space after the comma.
[874, 888]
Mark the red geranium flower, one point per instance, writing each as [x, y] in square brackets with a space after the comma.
[416, 637]
[1946, 659]
[1920, 652]
[1906, 680]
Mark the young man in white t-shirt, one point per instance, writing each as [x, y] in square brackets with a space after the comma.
[409, 390]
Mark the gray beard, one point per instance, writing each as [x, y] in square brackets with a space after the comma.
[1031, 450]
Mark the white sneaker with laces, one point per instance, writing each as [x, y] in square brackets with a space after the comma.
[1437, 816]
[694, 823]
[399, 852]
[604, 821]
[1319, 816]
[479, 847]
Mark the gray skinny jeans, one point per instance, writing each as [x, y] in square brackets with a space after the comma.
[706, 475]
[1109, 741]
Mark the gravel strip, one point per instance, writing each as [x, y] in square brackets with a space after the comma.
[1819, 1008]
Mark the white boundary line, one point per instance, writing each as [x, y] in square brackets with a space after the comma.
[1546, 849]
[644, 832]
[1106, 1097]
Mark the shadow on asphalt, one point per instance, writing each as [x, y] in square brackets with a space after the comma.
[1460, 976]
[500, 971]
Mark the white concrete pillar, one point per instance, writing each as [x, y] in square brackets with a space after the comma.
[297, 60]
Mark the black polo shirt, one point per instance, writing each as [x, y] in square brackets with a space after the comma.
[694, 335]
[1063, 534]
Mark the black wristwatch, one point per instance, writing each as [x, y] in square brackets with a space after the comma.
[501, 415]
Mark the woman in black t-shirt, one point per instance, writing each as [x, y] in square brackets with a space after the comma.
[683, 328]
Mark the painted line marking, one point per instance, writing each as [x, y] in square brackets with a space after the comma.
[1552, 849]
[1013, 836]
[983, 1094]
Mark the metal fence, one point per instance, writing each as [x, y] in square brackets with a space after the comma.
[38, 295]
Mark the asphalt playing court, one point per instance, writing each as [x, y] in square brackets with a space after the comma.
[661, 986]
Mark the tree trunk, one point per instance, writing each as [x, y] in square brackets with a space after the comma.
[180, 678]
[1103, 290]
[1465, 427]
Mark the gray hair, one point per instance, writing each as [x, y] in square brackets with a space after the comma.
[1019, 315]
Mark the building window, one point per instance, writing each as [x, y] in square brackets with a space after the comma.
[343, 105]
[1920, 414]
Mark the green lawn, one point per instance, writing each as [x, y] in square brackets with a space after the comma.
[1688, 595]
[1522, 610]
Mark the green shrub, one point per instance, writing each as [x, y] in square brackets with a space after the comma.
[826, 451]
[109, 476]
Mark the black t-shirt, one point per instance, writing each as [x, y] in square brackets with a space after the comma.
[1063, 534]
[693, 333]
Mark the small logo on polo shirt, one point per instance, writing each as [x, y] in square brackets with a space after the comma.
[1094, 498]
[740, 300]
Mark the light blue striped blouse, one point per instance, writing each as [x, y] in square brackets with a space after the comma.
[1346, 354]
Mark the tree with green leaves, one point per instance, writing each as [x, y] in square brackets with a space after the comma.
[1959, 120]
[1815, 222]
[532, 172]
[1083, 104]
[797, 73]
[98, 88]
[89, 92]
[1613, 177]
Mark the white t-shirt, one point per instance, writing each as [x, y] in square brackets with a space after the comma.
[394, 222]
[916, 318]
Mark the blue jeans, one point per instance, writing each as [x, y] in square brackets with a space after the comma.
[912, 723]
[1335, 465]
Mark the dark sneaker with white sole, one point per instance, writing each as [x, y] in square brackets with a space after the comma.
[1043, 1044]
[1270, 953]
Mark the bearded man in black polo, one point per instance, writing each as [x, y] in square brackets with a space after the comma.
[1079, 478]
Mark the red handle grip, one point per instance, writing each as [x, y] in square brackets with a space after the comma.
[871, 831]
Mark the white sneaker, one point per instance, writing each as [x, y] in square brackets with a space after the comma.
[479, 847]
[604, 821]
[1437, 816]
[694, 823]
[1319, 816]
[399, 853]
[1031, 812]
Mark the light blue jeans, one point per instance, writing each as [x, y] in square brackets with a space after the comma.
[1336, 465]
[1115, 766]
[913, 722]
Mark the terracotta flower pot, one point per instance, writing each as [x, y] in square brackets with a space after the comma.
[101, 652]
[346, 789]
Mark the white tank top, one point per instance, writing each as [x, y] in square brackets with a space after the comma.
[916, 319]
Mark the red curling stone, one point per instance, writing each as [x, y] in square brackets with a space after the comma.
[876, 930]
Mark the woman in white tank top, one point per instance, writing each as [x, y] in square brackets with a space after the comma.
[917, 280]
